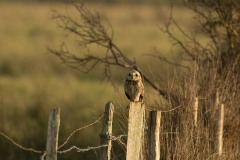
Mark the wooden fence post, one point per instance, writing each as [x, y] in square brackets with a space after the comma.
[219, 134]
[135, 131]
[107, 131]
[52, 136]
[154, 135]
[195, 112]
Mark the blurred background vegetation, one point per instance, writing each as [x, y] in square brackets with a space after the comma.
[101, 1]
[32, 80]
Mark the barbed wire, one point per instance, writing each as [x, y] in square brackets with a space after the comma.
[113, 138]
[81, 149]
[20, 146]
[164, 111]
[119, 139]
[78, 149]
[43, 156]
[66, 141]
[79, 129]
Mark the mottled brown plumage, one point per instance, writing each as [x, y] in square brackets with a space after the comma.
[133, 86]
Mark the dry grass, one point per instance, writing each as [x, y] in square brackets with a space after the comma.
[32, 81]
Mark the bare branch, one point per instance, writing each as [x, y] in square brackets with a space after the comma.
[90, 29]
[157, 54]
[176, 40]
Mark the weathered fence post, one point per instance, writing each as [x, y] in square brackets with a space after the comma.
[154, 135]
[195, 112]
[107, 132]
[135, 131]
[52, 136]
[218, 125]
[219, 134]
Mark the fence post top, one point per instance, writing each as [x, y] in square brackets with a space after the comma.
[111, 103]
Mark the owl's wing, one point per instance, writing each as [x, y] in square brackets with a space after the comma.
[126, 90]
[127, 95]
[142, 93]
[141, 97]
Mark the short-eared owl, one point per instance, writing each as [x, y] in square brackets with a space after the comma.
[133, 86]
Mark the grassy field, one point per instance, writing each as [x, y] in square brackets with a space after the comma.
[32, 80]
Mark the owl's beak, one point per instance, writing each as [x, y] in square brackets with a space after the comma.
[130, 77]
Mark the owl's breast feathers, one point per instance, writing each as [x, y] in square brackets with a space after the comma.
[134, 90]
[131, 82]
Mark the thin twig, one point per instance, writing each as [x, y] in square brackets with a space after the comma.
[164, 59]
[170, 110]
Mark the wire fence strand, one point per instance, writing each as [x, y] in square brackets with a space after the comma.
[113, 138]
[79, 129]
[20, 146]
[119, 139]
[78, 149]
[81, 149]
[43, 156]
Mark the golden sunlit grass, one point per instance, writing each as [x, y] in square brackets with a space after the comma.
[32, 80]
[27, 29]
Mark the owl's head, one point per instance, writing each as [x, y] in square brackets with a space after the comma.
[134, 76]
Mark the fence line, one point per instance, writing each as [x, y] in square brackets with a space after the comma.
[54, 122]
[135, 133]
[44, 152]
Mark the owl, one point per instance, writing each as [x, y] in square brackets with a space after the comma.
[133, 86]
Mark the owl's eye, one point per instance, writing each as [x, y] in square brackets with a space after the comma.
[136, 75]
